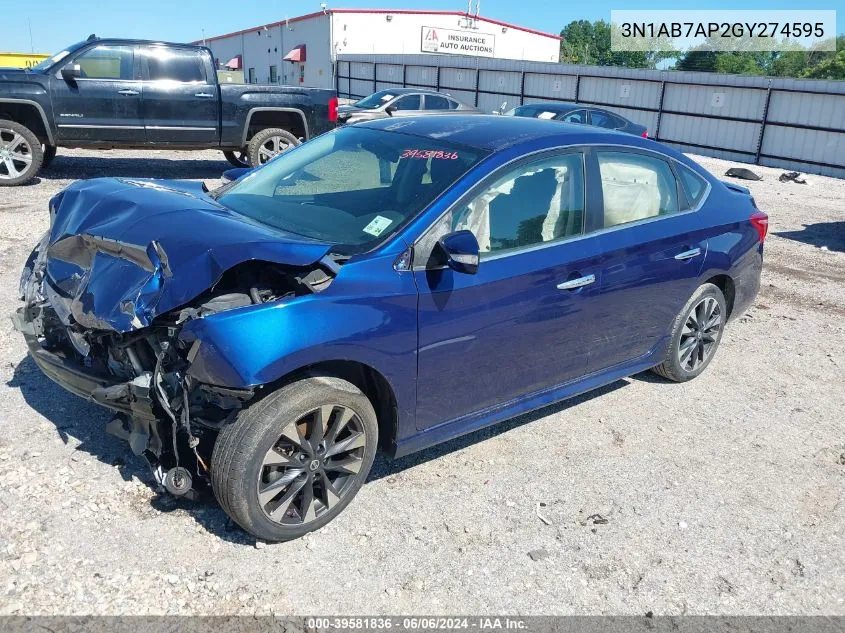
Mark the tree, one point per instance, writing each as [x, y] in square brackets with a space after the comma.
[829, 68]
[585, 42]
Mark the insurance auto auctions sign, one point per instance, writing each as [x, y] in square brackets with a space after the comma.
[437, 40]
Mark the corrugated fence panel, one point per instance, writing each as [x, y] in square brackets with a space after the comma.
[457, 79]
[551, 86]
[499, 82]
[730, 135]
[621, 92]
[718, 101]
[808, 109]
[810, 145]
[421, 76]
[701, 113]
[390, 73]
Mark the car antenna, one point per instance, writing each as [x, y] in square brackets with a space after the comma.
[92, 37]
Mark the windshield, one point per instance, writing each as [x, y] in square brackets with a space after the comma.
[375, 100]
[352, 188]
[55, 59]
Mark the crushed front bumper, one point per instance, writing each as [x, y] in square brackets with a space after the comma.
[132, 398]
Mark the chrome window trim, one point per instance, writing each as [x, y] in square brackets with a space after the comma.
[100, 127]
[602, 231]
[181, 128]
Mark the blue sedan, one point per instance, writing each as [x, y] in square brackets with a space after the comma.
[389, 285]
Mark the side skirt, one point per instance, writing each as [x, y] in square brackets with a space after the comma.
[513, 408]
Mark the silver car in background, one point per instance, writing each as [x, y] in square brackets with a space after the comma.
[401, 102]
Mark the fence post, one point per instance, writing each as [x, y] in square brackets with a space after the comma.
[659, 110]
[577, 86]
[337, 77]
[477, 80]
[521, 89]
[437, 79]
[763, 124]
[375, 75]
[404, 75]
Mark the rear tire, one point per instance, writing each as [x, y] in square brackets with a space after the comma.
[268, 143]
[20, 154]
[696, 334]
[294, 460]
[238, 159]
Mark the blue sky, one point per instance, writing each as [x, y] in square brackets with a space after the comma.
[56, 23]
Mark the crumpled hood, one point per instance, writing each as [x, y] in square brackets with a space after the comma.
[123, 251]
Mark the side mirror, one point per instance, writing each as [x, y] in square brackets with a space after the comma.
[71, 72]
[391, 109]
[461, 251]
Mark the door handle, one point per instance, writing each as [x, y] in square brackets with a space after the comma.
[204, 95]
[128, 92]
[694, 252]
[579, 282]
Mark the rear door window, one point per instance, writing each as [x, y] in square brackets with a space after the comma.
[576, 116]
[606, 119]
[408, 102]
[436, 102]
[635, 187]
[175, 65]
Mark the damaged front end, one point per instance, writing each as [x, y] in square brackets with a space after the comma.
[111, 344]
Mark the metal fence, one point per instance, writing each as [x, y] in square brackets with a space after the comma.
[789, 123]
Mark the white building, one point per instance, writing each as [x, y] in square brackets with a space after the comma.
[303, 50]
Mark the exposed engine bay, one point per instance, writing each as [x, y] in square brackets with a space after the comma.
[165, 415]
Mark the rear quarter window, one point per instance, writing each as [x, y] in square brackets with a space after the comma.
[694, 185]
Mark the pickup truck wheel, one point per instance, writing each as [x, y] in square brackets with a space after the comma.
[291, 462]
[268, 143]
[238, 159]
[20, 154]
[49, 152]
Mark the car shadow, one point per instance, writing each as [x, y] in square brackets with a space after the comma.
[86, 423]
[385, 467]
[827, 234]
[78, 167]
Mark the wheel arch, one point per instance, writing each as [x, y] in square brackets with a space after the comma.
[726, 284]
[374, 385]
[291, 119]
[30, 114]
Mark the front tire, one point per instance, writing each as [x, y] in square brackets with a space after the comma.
[696, 334]
[20, 154]
[294, 460]
[238, 159]
[268, 143]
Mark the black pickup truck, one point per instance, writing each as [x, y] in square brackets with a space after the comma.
[109, 93]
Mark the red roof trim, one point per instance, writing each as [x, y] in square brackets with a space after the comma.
[308, 16]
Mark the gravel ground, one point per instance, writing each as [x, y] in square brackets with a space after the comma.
[723, 495]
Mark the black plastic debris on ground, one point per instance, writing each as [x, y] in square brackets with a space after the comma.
[742, 173]
[792, 176]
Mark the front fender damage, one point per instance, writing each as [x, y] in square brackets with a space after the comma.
[143, 373]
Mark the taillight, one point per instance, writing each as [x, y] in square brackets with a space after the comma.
[760, 221]
[645, 134]
[333, 109]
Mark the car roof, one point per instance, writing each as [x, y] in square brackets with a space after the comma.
[557, 106]
[495, 133]
[422, 91]
[134, 42]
